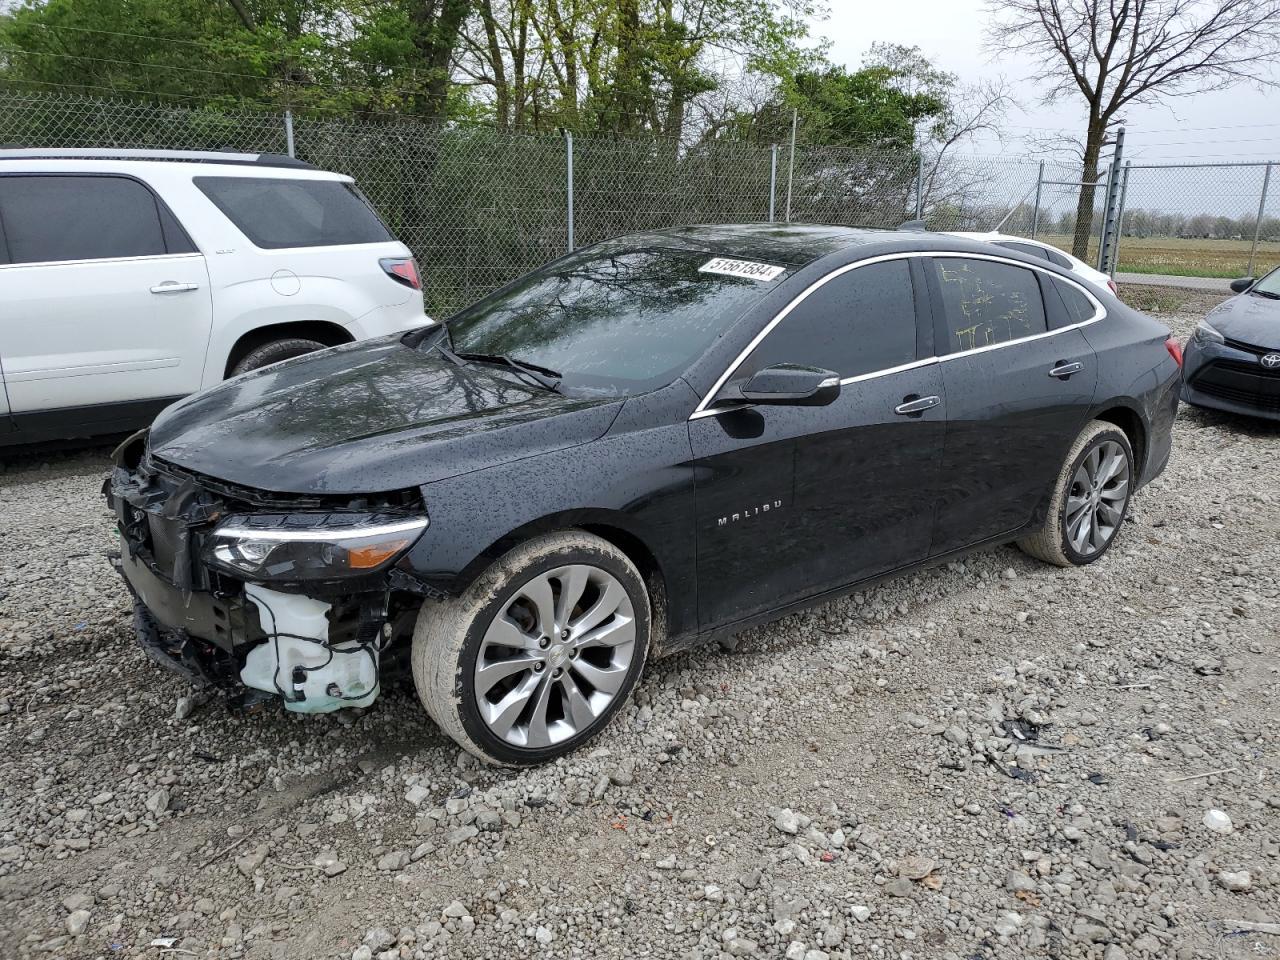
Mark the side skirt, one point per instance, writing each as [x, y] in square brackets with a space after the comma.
[78, 423]
[724, 632]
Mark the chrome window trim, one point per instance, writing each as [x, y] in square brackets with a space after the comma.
[96, 260]
[703, 409]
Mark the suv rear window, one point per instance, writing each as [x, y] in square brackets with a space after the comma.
[275, 213]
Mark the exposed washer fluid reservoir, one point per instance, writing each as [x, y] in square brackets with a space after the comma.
[297, 662]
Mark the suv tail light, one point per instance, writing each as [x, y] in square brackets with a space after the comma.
[1112, 284]
[1175, 350]
[402, 270]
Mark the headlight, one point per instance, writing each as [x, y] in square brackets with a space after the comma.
[310, 546]
[1205, 333]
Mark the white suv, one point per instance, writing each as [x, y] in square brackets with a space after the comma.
[129, 279]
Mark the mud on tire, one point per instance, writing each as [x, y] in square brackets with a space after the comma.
[449, 636]
[1050, 543]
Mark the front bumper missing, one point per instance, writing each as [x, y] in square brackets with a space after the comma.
[317, 654]
[198, 661]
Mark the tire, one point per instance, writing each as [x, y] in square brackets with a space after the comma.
[1053, 542]
[273, 352]
[455, 639]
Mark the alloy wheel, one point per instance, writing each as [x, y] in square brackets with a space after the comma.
[1096, 501]
[555, 656]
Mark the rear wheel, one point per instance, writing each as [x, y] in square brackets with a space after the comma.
[539, 652]
[273, 352]
[1090, 499]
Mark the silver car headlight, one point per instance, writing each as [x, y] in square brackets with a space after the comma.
[1205, 333]
[310, 546]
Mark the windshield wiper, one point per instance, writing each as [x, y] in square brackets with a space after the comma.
[542, 376]
[448, 354]
[1266, 293]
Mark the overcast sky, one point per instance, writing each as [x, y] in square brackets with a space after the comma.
[1211, 127]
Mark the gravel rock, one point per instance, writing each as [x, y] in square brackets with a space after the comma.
[1218, 821]
[1237, 882]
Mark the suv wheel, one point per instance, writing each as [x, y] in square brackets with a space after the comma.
[1090, 499]
[274, 352]
[539, 652]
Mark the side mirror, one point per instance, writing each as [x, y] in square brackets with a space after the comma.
[1241, 285]
[791, 385]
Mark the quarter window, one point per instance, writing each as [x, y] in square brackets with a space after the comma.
[1079, 307]
[1030, 249]
[985, 302]
[59, 218]
[860, 322]
[275, 213]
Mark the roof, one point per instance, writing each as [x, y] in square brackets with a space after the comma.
[184, 156]
[792, 244]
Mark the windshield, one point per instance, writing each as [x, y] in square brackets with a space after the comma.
[1270, 284]
[614, 320]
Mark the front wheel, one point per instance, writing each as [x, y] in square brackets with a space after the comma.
[1090, 499]
[537, 655]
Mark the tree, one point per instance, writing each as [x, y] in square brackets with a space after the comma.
[1117, 53]
[622, 66]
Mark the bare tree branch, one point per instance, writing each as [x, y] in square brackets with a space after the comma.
[1114, 53]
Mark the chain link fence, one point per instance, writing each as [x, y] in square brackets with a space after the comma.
[1208, 220]
[479, 207]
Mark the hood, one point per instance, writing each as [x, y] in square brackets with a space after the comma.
[1250, 319]
[368, 417]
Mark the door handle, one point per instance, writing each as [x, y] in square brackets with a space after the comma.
[913, 406]
[1063, 370]
[173, 286]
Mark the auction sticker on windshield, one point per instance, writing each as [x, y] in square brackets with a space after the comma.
[741, 268]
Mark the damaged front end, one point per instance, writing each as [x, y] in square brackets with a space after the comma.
[296, 596]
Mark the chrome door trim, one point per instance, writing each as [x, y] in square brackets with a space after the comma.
[704, 409]
[149, 257]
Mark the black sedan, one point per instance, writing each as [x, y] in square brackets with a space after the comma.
[650, 442]
[1232, 361]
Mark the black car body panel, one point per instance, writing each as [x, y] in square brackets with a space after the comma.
[1241, 373]
[367, 417]
[734, 512]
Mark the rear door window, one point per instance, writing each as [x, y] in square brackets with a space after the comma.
[860, 322]
[985, 302]
[275, 213]
[61, 218]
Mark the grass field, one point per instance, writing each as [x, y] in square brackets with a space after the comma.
[1183, 258]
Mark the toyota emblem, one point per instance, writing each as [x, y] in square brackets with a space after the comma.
[1271, 360]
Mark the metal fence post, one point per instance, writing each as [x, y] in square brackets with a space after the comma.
[1257, 227]
[1035, 214]
[773, 178]
[791, 164]
[288, 132]
[1124, 193]
[919, 185]
[568, 146]
[1112, 205]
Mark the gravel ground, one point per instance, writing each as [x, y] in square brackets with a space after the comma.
[989, 759]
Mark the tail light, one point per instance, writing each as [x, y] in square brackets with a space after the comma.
[1175, 350]
[1112, 284]
[402, 270]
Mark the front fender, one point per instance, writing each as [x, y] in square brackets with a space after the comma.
[638, 482]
